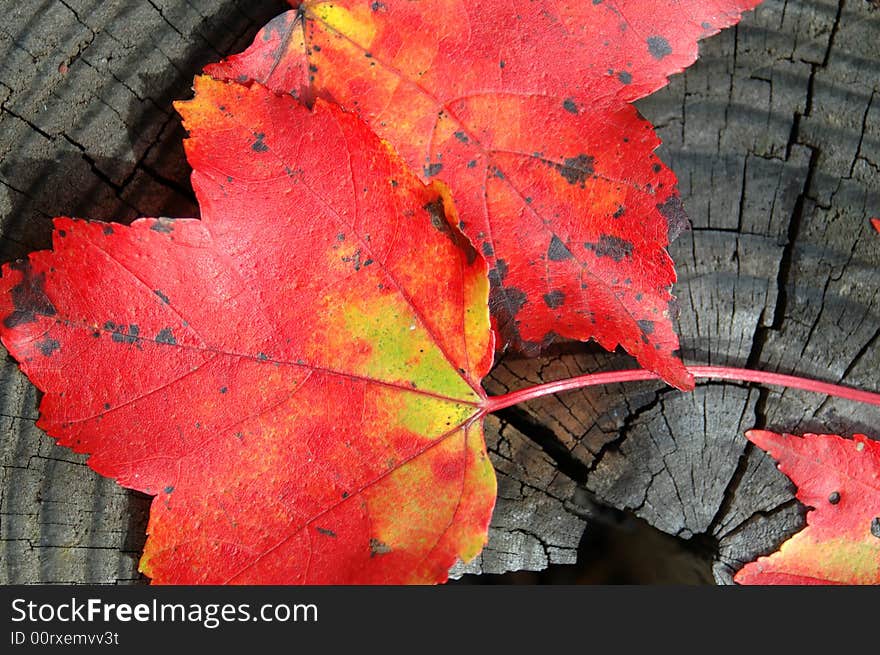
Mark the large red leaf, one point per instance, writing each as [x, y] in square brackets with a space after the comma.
[295, 377]
[840, 479]
[522, 108]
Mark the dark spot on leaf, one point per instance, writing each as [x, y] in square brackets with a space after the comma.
[554, 299]
[656, 168]
[168, 489]
[576, 170]
[488, 250]
[106, 405]
[676, 218]
[164, 225]
[569, 106]
[558, 251]
[433, 169]
[646, 326]
[834, 497]
[461, 136]
[611, 246]
[258, 145]
[378, 547]
[161, 295]
[29, 298]
[497, 274]
[437, 213]
[344, 495]
[438, 216]
[501, 63]
[48, 346]
[377, 6]
[619, 211]
[496, 172]
[472, 163]
[165, 336]
[658, 47]
[223, 389]
[535, 348]
[625, 77]
[706, 26]
[326, 532]
[875, 526]
[121, 335]
[262, 357]
[107, 230]
[504, 304]
[355, 259]
[62, 233]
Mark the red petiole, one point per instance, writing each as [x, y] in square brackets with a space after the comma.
[494, 403]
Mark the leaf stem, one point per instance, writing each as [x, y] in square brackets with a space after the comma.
[494, 403]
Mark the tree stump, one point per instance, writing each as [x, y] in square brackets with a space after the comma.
[775, 136]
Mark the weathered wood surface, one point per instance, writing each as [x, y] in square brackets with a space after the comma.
[775, 136]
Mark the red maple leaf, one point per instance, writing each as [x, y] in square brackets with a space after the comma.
[295, 377]
[840, 480]
[524, 111]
